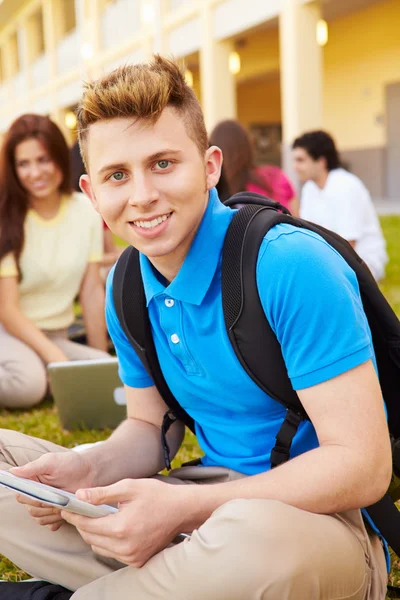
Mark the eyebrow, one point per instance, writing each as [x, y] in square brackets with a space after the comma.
[113, 166]
[157, 155]
[149, 159]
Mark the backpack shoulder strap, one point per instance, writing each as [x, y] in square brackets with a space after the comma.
[132, 327]
[130, 307]
[249, 331]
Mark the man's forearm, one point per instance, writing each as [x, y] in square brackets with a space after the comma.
[133, 451]
[326, 480]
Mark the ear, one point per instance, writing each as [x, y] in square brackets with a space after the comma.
[84, 184]
[213, 163]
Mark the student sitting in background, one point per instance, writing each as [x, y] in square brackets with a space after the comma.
[50, 249]
[337, 199]
[239, 172]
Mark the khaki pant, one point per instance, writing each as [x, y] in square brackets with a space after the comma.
[23, 377]
[247, 549]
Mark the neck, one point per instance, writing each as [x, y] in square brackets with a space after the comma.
[46, 207]
[322, 179]
[169, 265]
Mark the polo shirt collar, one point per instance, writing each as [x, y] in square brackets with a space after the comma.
[195, 276]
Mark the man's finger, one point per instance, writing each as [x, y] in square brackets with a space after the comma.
[28, 501]
[99, 525]
[117, 492]
[31, 470]
[105, 543]
[55, 526]
[49, 520]
[39, 512]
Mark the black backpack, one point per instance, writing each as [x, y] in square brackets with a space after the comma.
[252, 337]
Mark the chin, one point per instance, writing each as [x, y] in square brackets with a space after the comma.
[155, 250]
[41, 193]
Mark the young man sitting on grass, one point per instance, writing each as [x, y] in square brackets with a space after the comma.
[294, 532]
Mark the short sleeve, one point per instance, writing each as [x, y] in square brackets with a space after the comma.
[8, 266]
[96, 249]
[131, 370]
[311, 299]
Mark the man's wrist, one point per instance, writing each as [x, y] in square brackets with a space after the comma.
[197, 503]
[90, 469]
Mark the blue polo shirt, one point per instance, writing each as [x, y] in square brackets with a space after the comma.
[311, 299]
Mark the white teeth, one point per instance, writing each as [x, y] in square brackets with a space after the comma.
[151, 224]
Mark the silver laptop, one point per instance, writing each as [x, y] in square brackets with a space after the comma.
[88, 394]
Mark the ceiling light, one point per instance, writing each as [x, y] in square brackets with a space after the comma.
[70, 120]
[322, 32]
[234, 63]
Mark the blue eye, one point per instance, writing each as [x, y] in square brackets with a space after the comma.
[118, 176]
[163, 164]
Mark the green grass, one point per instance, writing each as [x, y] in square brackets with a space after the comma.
[43, 421]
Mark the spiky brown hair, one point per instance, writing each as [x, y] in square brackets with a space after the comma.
[141, 92]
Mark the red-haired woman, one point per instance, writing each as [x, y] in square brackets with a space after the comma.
[240, 174]
[50, 248]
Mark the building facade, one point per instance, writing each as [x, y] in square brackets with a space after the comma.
[279, 66]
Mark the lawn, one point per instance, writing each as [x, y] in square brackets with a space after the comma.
[43, 421]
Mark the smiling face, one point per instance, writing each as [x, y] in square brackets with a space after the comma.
[37, 172]
[150, 183]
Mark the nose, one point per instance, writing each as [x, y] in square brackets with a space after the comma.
[143, 192]
[35, 171]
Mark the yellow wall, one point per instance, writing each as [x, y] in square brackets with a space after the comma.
[361, 57]
[258, 86]
[259, 101]
[196, 82]
[259, 53]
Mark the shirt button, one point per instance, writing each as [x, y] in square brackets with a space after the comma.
[169, 302]
[175, 339]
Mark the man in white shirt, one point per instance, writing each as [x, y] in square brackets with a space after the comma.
[337, 199]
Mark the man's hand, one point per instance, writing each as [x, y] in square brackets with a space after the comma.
[64, 470]
[43, 514]
[151, 514]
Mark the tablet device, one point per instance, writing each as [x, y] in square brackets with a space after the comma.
[88, 394]
[53, 496]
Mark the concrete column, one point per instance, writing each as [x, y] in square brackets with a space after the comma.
[92, 34]
[51, 29]
[159, 38]
[80, 15]
[50, 18]
[25, 54]
[8, 68]
[301, 71]
[218, 85]
[154, 40]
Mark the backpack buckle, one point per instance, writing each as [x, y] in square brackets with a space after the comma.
[168, 419]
